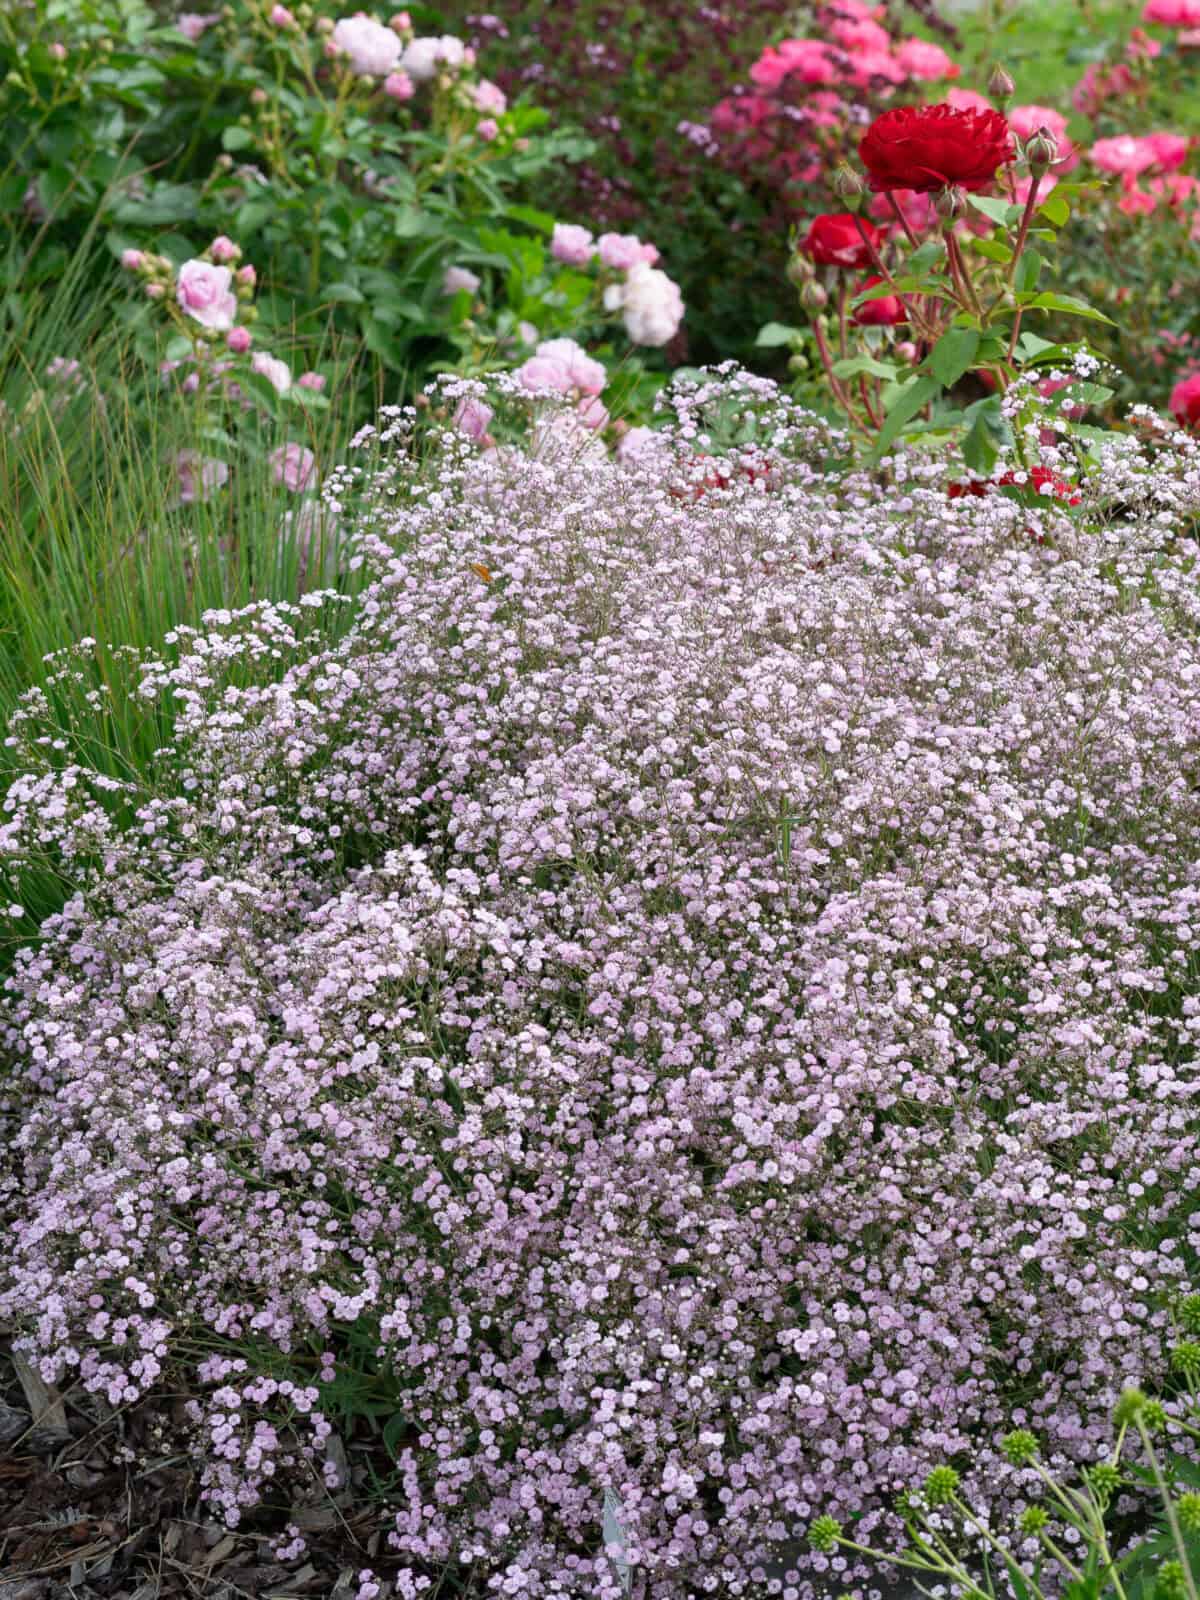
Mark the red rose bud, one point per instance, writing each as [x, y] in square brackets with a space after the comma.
[1041, 151]
[926, 148]
[841, 241]
[885, 312]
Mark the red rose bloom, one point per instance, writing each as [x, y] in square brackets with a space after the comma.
[885, 312]
[836, 241]
[1185, 401]
[1038, 481]
[933, 147]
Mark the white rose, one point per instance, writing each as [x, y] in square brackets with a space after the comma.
[373, 49]
[423, 56]
[276, 372]
[650, 302]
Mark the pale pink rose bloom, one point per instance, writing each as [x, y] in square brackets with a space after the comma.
[586, 375]
[1124, 153]
[204, 292]
[194, 25]
[131, 260]
[489, 97]
[473, 417]
[198, 476]
[223, 249]
[968, 100]
[529, 334]
[373, 49]
[1172, 13]
[276, 372]
[456, 278]
[488, 130]
[311, 380]
[247, 276]
[294, 466]
[281, 17]
[921, 59]
[239, 340]
[544, 375]
[399, 86]
[620, 251]
[592, 413]
[423, 57]
[572, 244]
[650, 303]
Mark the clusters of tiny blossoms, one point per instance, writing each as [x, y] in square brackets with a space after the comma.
[699, 981]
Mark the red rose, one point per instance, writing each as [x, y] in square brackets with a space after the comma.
[885, 312]
[1185, 401]
[837, 241]
[932, 147]
[1037, 481]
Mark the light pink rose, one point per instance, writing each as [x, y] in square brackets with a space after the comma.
[456, 278]
[294, 466]
[281, 17]
[246, 275]
[204, 292]
[399, 86]
[592, 413]
[926, 61]
[651, 305]
[239, 340]
[488, 130]
[373, 49]
[223, 249]
[194, 25]
[276, 372]
[572, 244]
[131, 260]
[586, 375]
[489, 97]
[473, 417]
[311, 380]
[544, 375]
[968, 100]
[423, 57]
[198, 476]
[620, 251]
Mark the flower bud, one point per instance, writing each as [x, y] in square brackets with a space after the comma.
[258, 97]
[323, 25]
[950, 202]
[906, 350]
[848, 185]
[999, 85]
[813, 298]
[800, 271]
[1041, 151]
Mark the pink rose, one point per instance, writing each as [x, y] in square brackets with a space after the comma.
[281, 17]
[456, 278]
[204, 292]
[198, 476]
[276, 372]
[223, 249]
[572, 244]
[543, 375]
[1124, 154]
[586, 375]
[807, 60]
[399, 86]
[488, 130]
[373, 50]
[620, 251]
[592, 413]
[294, 466]
[967, 100]
[311, 380]
[1185, 401]
[473, 417]
[239, 340]
[194, 24]
[246, 275]
[489, 97]
[132, 260]
[926, 61]
[1172, 13]
[861, 37]
[1170, 149]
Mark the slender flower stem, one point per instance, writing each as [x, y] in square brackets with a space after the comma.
[898, 212]
[1026, 219]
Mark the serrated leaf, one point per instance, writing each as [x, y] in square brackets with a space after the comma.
[1028, 271]
[954, 353]
[992, 249]
[1066, 302]
[1055, 209]
[999, 211]
[772, 334]
[346, 293]
[859, 366]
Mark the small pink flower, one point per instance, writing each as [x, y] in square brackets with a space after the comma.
[472, 417]
[1124, 154]
[194, 25]
[1185, 401]
[926, 61]
[372, 49]
[456, 278]
[246, 275]
[239, 340]
[281, 17]
[276, 372]
[592, 413]
[489, 97]
[572, 244]
[1135, 202]
[399, 86]
[223, 249]
[154, 291]
[198, 476]
[203, 290]
[586, 375]
[807, 61]
[488, 130]
[544, 375]
[311, 380]
[58, 51]
[132, 260]
[294, 466]
[620, 251]
[861, 36]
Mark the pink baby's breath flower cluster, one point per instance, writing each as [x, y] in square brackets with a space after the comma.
[697, 981]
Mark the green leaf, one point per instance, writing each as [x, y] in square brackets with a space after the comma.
[992, 249]
[953, 354]
[987, 435]
[1066, 302]
[1028, 271]
[235, 138]
[911, 398]
[925, 255]
[1055, 209]
[1032, 345]
[346, 293]
[999, 211]
[772, 334]
[541, 220]
[856, 366]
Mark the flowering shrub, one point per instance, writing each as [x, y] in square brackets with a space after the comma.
[694, 992]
